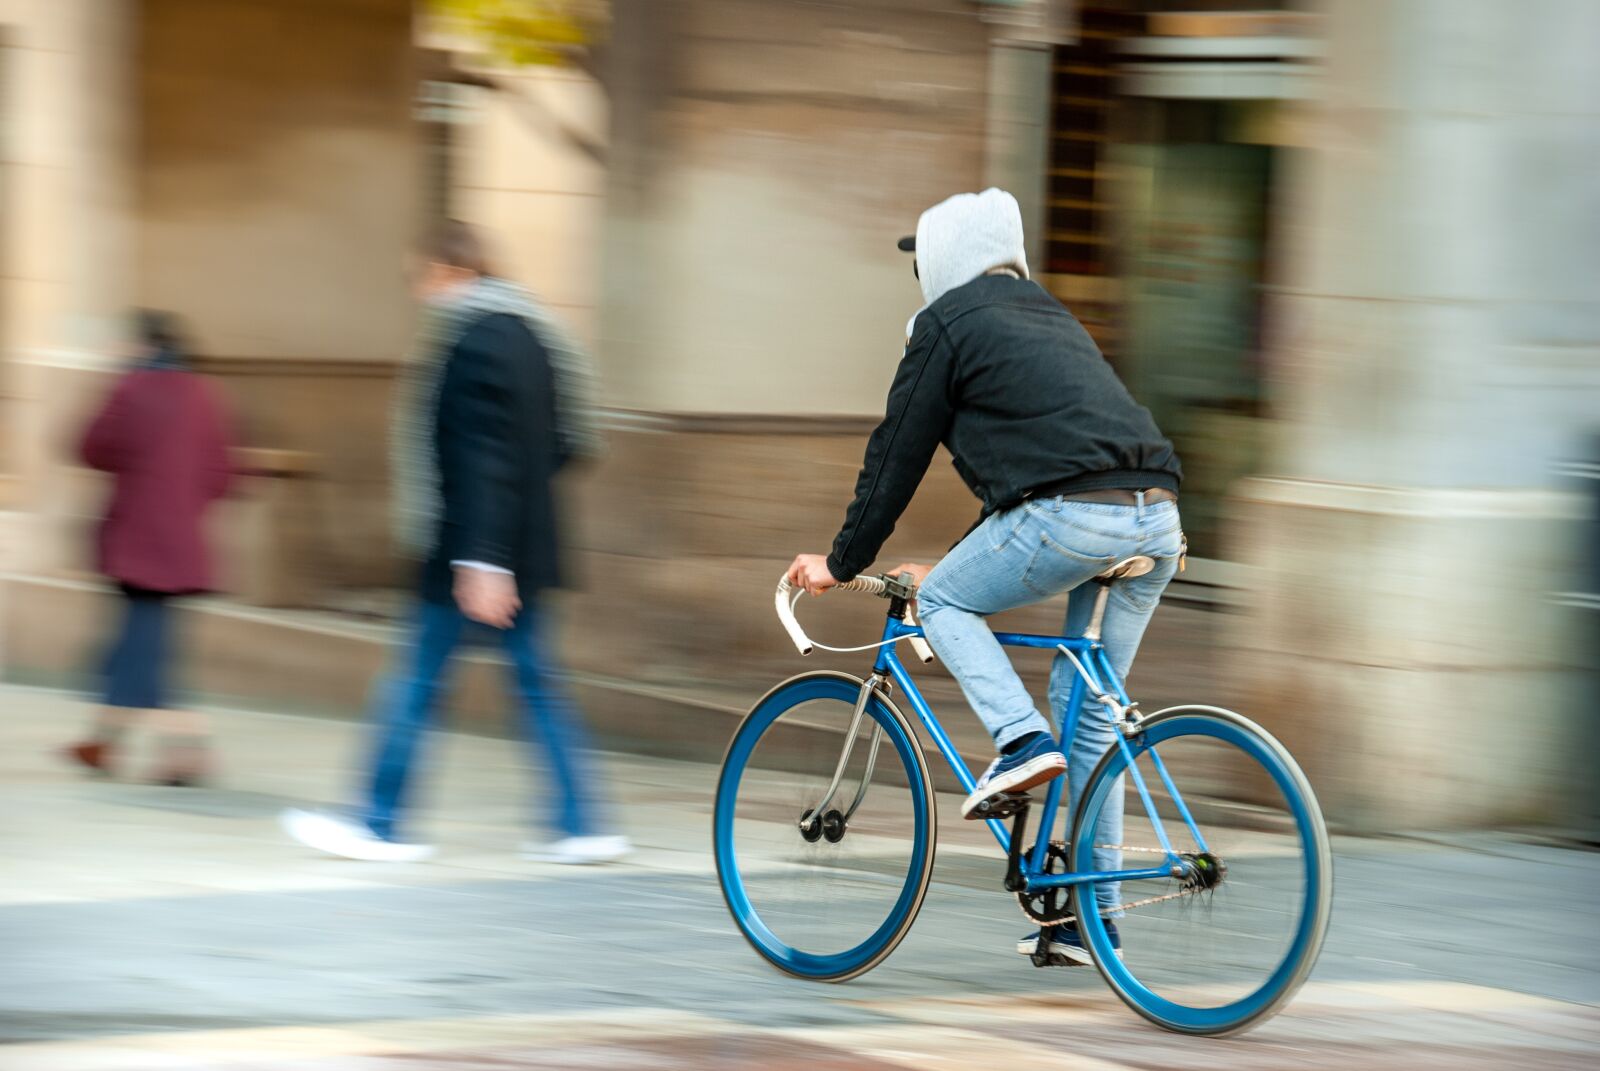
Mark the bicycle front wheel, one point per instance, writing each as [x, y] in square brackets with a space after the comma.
[823, 888]
[1225, 946]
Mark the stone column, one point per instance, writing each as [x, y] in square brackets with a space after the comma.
[1017, 127]
[1017, 154]
[69, 122]
[1435, 350]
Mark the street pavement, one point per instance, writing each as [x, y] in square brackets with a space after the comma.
[157, 929]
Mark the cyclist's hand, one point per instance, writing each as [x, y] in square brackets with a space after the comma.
[810, 571]
[919, 572]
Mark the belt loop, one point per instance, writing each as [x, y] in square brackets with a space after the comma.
[1138, 500]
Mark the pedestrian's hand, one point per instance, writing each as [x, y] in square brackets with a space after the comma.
[918, 572]
[810, 572]
[486, 597]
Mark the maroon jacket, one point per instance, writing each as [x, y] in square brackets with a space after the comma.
[163, 435]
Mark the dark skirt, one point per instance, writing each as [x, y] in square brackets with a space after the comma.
[136, 665]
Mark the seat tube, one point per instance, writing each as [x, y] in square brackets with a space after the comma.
[1052, 799]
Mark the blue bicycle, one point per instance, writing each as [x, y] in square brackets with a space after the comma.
[824, 837]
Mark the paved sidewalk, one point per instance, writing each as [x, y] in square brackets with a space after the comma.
[152, 929]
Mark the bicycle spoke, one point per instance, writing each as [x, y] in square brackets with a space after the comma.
[1220, 945]
[825, 890]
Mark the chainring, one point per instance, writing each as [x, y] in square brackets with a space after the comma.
[1049, 907]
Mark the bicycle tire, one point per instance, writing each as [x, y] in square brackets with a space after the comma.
[1315, 901]
[824, 685]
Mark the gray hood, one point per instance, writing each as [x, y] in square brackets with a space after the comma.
[964, 236]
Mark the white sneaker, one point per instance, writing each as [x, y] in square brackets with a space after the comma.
[352, 840]
[577, 851]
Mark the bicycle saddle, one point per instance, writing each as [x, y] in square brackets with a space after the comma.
[1138, 565]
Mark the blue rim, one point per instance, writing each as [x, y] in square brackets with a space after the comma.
[792, 960]
[1181, 1016]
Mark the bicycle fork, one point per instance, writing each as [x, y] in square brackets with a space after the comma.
[809, 821]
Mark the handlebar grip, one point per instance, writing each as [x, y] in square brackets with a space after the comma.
[786, 615]
[871, 584]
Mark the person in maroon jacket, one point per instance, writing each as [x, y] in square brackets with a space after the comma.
[162, 435]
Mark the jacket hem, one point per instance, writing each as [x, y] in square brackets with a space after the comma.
[1113, 480]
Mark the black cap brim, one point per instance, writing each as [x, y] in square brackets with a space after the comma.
[908, 244]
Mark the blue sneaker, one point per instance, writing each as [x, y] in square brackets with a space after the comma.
[1066, 943]
[1037, 762]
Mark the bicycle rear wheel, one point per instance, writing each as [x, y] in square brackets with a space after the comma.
[1225, 947]
[827, 901]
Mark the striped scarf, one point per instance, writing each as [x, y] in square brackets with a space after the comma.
[415, 497]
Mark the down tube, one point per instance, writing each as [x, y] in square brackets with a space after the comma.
[957, 765]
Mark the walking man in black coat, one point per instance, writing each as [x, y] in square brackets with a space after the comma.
[493, 405]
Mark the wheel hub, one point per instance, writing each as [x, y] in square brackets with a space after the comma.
[831, 827]
[1204, 871]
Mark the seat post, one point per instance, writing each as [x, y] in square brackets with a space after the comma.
[1137, 565]
[1092, 633]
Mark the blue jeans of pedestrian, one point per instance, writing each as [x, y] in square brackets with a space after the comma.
[548, 717]
[1029, 554]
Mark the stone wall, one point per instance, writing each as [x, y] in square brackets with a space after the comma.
[337, 414]
[766, 158]
[277, 174]
[249, 164]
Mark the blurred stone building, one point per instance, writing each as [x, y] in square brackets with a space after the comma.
[1340, 250]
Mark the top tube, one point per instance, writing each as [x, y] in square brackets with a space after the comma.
[899, 630]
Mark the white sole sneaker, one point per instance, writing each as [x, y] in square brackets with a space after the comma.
[1028, 775]
[1077, 954]
[347, 839]
[579, 851]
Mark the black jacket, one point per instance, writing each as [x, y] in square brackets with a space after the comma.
[1006, 378]
[495, 438]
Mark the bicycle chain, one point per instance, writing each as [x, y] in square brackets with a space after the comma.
[1146, 902]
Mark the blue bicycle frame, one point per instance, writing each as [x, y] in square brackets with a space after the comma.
[1094, 671]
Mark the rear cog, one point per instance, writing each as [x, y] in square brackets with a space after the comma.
[1049, 907]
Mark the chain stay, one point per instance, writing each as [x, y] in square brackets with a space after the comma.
[1146, 902]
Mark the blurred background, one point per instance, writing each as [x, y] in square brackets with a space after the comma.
[1348, 253]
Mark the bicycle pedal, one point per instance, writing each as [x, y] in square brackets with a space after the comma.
[1001, 805]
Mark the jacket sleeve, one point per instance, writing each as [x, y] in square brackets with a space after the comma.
[105, 441]
[487, 361]
[900, 449]
[218, 442]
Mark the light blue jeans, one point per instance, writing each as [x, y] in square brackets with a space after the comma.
[1026, 555]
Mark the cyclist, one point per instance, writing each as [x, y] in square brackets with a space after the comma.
[1073, 475]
